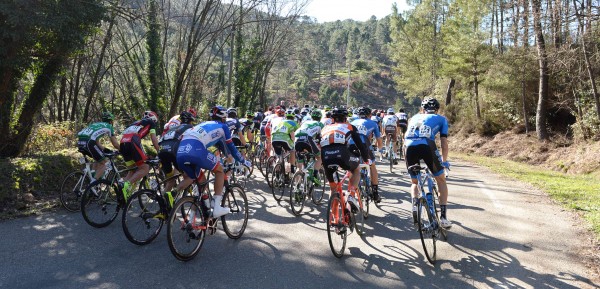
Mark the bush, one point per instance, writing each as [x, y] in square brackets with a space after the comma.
[49, 138]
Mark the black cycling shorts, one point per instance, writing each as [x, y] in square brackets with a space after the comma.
[133, 151]
[168, 155]
[280, 147]
[90, 148]
[236, 141]
[340, 155]
[403, 126]
[429, 154]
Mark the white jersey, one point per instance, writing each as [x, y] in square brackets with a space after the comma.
[390, 120]
[402, 116]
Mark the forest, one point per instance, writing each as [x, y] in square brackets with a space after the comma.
[496, 65]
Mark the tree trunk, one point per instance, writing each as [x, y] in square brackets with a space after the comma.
[588, 64]
[541, 113]
[524, 101]
[449, 91]
[76, 89]
[476, 88]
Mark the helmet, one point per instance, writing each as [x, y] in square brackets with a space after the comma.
[316, 115]
[186, 117]
[280, 112]
[296, 111]
[328, 114]
[218, 112]
[290, 113]
[390, 111]
[258, 115]
[363, 111]
[338, 113]
[232, 112]
[327, 108]
[192, 111]
[249, 115]
[107, 116]
[430, 104]
[401, 110]
[305, 111]
[151, 115]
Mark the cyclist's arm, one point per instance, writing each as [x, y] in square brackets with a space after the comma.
[379, 143]
[115, 142]
[154, 141]
[241, 137]
[444, 145]
[359, 144]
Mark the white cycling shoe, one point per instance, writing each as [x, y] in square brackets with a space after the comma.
[445, 223]
[219, 211]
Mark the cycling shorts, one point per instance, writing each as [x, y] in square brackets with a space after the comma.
[280, 147]
[90, 148]
[390, 129]
[340, 155]
[403, 125]
[429, 154]
[197, 155]
[306, 143]
[132, 151]
[236, 141]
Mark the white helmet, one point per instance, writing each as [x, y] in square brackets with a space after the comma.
[390, 111]
[151, 115]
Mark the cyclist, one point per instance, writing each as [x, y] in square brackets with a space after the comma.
[132, 150]
[390, 125]
[247, 127]
[402, 120]
[175, 121]
[169, 142]
[367, 130]
[88, 144]
[235, 127]
[194, 149]
[420, 145]
[307, 137]
[327, 120]
[335, 150]
[283, 136]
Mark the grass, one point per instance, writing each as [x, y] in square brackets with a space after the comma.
[580, 192]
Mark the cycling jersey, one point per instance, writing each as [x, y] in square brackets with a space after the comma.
[140, 128]
[234, 126]
[131, 143]
[366, 128]
[95, 131]
[174, 133]
[390, 120]
[173, 122]
[306, 118]
[282, 130]
[376, 119]
[402, 116]
[335, 149]
[169, 144]
[327, 120]
[423, 127]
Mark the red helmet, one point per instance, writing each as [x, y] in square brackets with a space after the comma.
[280, 112]
[192, 111]
[151, 115]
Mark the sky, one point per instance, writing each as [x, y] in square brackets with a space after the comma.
[359, 10]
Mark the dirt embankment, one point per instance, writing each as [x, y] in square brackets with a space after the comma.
[557, 154]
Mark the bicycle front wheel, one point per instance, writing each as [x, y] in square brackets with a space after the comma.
[426, 230]
[336, 230]
[297, 193]
[186, 229]
[278, 182]
[318, 192]
[365, 196]
[143, 217]
[99, 204]
[71, 190]
[234, 223]
[436, 207]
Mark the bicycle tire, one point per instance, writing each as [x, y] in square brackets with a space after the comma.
[298, 193]
[425, 221]
[187, 226]
[359, 219]
[71, 190]
[234, 223]
[336, 232]
[100, 204]
[318, 192]
[278, 182]
[365, 193]
[263, 157]
[270, 166]
[144, 216]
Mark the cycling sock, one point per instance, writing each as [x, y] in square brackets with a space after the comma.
[293, 169]
[375, 188]
[443, 211]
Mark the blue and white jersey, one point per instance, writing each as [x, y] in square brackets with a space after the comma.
[366, 128]
[211, 133]
[423, 128]
[376, 119]
[234, 125]
[306, 118]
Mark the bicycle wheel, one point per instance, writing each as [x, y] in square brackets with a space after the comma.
[72, 188]
[270, 165]
[436, 207]
[297, 193]
[425, 225]
[318, 192]
[391, 157]
[365, 196]
[336, 231]
[359, 218]
[143, 217]
[186, 229]
[278, 182]
[262, 162]
[234, 223]
[99, 204]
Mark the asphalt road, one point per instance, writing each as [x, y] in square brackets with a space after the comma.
[505, 235]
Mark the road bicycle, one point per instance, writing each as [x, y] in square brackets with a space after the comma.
[191, 218]
[340, 216]
[303, 187]
[390, 153]
[366, 190]
[74, 184]
[280, 175]
[427, 219]
[104, 198]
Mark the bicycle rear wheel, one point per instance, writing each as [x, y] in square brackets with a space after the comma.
[234, 223]
[365, 195]
[186, 229]
[143, 217]
[318, 192]
[426, 232]
[391, 157]
[336, 231]
[297, 193]
[278, 182]
[71, 190]
[99, 203]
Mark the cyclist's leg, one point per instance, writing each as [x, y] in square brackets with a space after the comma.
[99, 159]
[331, 155]
[139, 156]
[395, 142]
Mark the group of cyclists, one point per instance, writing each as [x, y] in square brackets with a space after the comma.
[337, 137]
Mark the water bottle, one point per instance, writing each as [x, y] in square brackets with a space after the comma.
[429, 198]
[205, 205]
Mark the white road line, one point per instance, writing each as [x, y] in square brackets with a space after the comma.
[490, 194]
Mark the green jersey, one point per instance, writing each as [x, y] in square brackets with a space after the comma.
[310, 128]
[96, 130]
[283, 130]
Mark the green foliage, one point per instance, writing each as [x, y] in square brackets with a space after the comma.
[50, 138]
[329, 95]
[587, 125]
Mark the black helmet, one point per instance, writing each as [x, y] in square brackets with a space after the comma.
[232, 112]
[364, 111]
[186, 117]
[339, 113]
[107, 117]
[430, 104]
